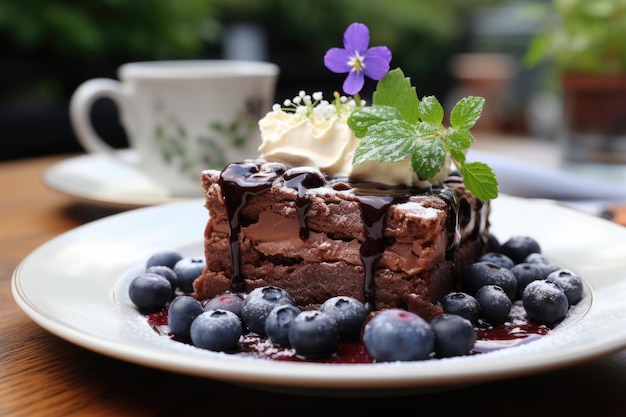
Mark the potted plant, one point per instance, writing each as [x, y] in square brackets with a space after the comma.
[584, 39]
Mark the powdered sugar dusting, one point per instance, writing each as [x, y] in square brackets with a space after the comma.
[416, 209]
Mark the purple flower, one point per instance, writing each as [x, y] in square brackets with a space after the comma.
[357, 59]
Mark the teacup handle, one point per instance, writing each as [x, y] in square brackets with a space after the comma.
[81, 103]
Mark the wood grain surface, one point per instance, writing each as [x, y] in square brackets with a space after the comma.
[42, 375]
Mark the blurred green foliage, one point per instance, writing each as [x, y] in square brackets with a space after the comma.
[587, 36]
[418, 31]
[105, 29]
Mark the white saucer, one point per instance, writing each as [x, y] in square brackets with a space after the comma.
[98, 179]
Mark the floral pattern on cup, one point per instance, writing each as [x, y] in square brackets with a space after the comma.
[173, 140]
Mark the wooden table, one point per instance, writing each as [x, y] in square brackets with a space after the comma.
[42, 375]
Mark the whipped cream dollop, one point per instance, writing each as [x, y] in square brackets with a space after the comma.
[319, 137]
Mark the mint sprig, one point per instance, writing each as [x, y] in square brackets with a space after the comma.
[399, 126]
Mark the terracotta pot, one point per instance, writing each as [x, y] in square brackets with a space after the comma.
[594, 118]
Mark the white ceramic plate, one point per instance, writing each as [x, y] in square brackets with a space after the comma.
[104, 181]
[75, 287]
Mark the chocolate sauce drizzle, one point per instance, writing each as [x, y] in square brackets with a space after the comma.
[453, 227]
[373, 214]
[302, 180]
[240, 181]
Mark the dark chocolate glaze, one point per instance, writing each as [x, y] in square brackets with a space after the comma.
[241, 180]
[453, 226]
[373, 212]
[303, 180]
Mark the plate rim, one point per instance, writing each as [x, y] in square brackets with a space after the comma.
[296, 375]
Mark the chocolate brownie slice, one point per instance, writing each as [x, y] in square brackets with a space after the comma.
[317, 238]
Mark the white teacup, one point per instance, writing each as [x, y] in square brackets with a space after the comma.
[180, 116]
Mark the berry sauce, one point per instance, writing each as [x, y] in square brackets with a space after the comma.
[516, 328]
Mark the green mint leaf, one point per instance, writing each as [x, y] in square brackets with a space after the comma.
[363, 117]
[480, 180]
[428, 158]
[388, 141]
[395, 90]
[457, 156]
[431, 110]
[399, 126]
[459, 139]
[427, 130]
[466, 112]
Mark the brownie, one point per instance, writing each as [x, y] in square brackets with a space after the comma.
[317, 237]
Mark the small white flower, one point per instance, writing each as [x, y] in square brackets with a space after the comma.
[276, 107]
[316, 108]
[351, 105]
[324, 110]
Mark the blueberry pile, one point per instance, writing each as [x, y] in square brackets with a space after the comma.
[219, 323]
[514, 271]
[399, 335]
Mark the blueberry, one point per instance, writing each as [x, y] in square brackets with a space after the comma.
[150, 292]
[493, 243]
[479, 274]
[181, 313]
[495, 304]
[570, 283]
[461, 304]
[545, 302]
[187, 270]
[314, 334]
[519, 247]
[546, 265]
[258, 304]
[166, 272]
[398, 335]
[278, 322]
[454, 335]
[525, 273]
[349, 313]
[217, 330]
[167, 257]
[498, 259]
[227, 301]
